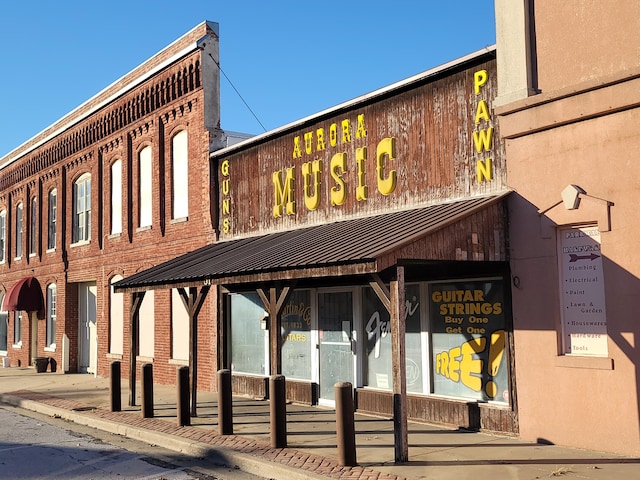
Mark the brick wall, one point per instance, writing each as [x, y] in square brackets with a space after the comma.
[149, 114]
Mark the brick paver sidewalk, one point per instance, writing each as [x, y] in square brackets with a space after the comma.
[288, 457]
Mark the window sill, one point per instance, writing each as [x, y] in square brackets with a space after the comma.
[179, 220]
[115, 235]
[114, 356]
[32, 255]
[51, 250]
[141, 358]
[17, 346]
[175, 361]
[143, 229]
[80, 243]
[51, 348]
[17, 259]
[575, 361]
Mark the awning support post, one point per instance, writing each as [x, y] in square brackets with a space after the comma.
[399, 368]
[134, 322]
[273, 305]
[193, 303]
[381, 291]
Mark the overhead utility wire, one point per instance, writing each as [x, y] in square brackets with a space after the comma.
[233, 86]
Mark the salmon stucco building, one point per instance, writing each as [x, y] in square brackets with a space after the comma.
[567, 107]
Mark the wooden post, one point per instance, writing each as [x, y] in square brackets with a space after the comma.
[273, 305]
[134, 322]
[225, 402]
[399, 368]
[182, 405]
[345, 424]
[193, 351]
[115, 389]
[278, 411]
[193, 303]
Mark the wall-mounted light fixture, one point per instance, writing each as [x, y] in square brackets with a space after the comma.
[571, 197]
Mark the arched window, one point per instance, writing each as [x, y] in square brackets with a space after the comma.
[53, 218]
[116, 320]
[180, 167]
[145, 190]
[3, 236]
[116, 197]
[33, 226]
[19, 231]
[51, 315]
[82, 209]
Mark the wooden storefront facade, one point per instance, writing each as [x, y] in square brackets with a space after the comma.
[367, 244]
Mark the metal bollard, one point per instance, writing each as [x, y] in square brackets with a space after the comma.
[115, 389]
[147, 390]
[182, 381]
[278, 411]
[225, 403]
[345, 424]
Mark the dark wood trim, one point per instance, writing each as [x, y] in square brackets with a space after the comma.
[134, 323]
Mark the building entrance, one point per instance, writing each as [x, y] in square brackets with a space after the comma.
[336, 342]
[87, 328]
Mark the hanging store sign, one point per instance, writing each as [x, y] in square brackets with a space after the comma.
[584, 316]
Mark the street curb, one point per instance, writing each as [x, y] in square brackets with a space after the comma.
[221, 456]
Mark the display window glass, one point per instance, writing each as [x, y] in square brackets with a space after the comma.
[249, 337]
[296, 336]
[469, 340]
[378, 360]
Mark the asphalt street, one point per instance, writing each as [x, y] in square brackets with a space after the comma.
[35, 446]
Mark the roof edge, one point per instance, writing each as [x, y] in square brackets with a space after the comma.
[76, 115]
[358, 100]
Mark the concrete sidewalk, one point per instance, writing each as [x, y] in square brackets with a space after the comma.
[434, 452]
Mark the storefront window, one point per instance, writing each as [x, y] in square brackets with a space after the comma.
[296, 336]
[415, 351]
[468, 335]
[248, 338]
[377, 325]
[377, 328]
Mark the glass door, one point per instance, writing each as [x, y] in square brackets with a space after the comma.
[335, 330]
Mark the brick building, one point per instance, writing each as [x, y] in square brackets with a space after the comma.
[119, 184]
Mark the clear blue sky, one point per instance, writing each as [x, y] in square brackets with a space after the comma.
[287, 58]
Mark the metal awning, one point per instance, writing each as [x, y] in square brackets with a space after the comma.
[25, 295]
[348, 247]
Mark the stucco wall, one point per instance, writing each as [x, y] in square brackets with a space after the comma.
[583, 40]
[584, 402]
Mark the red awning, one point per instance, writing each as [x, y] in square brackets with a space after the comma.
[25, 295]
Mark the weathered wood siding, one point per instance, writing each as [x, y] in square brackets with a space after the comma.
[449, 412]
[253, 386]
[477, 237]
[432, 122]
